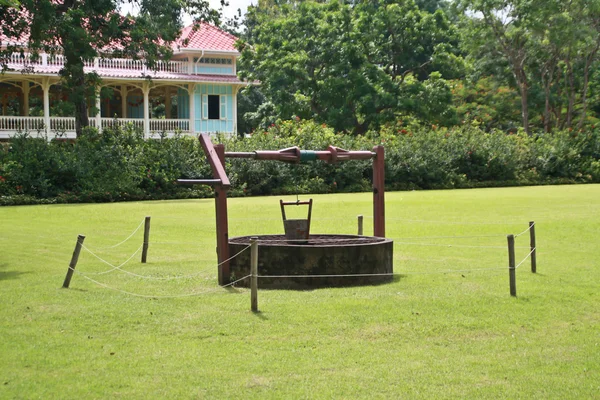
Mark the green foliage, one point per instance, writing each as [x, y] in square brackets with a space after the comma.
[115, 165]
[120, 165]
[353, 67]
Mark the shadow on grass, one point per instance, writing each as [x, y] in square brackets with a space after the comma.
[6, 275]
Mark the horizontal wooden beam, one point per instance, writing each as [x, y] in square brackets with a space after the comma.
[210, 182]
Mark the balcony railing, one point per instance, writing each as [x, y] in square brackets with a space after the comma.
[65, 126]
[18, 60]
[21, 124]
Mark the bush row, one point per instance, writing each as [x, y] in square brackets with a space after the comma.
[120, 165]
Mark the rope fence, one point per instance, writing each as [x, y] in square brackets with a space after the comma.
[254, 275]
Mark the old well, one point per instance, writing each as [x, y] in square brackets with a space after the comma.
[321, 261]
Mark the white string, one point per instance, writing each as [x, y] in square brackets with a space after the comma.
[168, 278]
[454, 245]
[452, 237]
[113, 267]
[447, 222]
[324, 276]
[526, 257]
[129, 237]
[526, 230]
[158, 296]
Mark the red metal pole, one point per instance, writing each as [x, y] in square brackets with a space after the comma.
[222, 223]
[379, 192]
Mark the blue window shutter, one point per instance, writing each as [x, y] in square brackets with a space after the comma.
[223, 113]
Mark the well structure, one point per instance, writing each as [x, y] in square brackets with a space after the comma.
[321, 261]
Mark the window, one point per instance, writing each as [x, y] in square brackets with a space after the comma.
[214, 106]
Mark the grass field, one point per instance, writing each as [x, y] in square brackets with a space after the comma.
[445, 328]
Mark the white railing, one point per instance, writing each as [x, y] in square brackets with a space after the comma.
[62, 124]
[114, 122]
[169, 125]
[21, 124]
[65, 126]
[16, 61]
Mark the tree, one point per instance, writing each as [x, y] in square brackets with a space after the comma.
[353, 67]
[82, 30]
[550, 52]
[502, 27]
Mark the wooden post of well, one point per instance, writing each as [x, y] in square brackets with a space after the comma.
[146, 239]
[360, 225]
[254, 274]
[532, 245]
[511, 265]
[74, 259]
[379, 192]
[222, 223]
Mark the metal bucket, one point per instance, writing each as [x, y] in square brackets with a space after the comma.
[296, 229]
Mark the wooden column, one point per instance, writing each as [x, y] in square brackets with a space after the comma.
[46, 89]
[512, 278]
[146, 91]
[98, 112]
[167, 102]
[26, 89]
[532, 246]
[124, 92]
[192, 115]
[222, 223]
[379, 192]
[74, 259]
[254, 274]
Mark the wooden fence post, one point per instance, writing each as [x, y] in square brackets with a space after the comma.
[360, 225]
[74, 259]
[254, 274]
[146, 239]
[511, 265]
[532, 245]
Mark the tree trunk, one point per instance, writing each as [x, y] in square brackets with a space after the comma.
[571, 94]
[586, 82]
[525, 108]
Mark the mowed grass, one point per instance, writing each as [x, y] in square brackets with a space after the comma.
[446, 327]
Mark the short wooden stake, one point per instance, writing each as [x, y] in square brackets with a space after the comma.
[74, 259]
[146, 239]
[254, 274]
[532, 245]
[511, 265]
[360, 225]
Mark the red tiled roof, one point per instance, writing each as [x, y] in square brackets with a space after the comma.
[206, 37]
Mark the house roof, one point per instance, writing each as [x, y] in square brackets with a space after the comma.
[206, 37]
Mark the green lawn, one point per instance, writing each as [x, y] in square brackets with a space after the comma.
[445, 328]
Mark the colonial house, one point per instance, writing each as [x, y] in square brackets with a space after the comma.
[194, 92]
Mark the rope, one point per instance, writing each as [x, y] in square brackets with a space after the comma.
[128, 237]
[113, 267]
[526, 257]
[452, 237]
[525, 231]
[158, 296]
[455, 245]
[168, 278]
[324, 276]
[447, 222]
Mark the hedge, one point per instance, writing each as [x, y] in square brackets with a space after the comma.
[119, 165]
